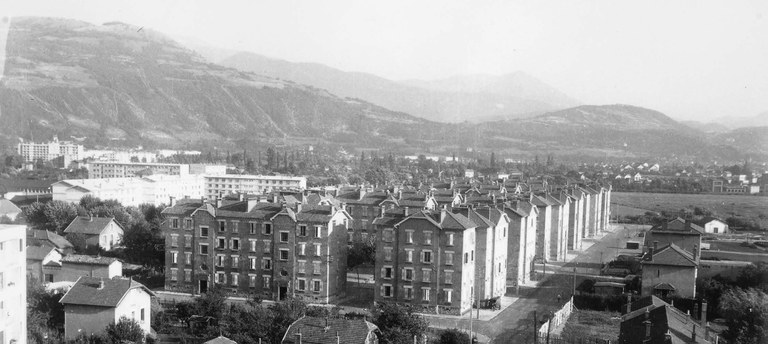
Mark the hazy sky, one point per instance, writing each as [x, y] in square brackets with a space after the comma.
[689, 59]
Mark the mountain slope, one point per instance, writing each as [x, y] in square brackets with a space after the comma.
[119, 82]
[450, 100]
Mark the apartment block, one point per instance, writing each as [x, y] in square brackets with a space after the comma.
[257, 248]
[115, 169]
[491, 246]
[66, 151]
[132, 191]
[521, 246]
[13, 284]
[426, 259]
[221, 185]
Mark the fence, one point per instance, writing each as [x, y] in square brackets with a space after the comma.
[558, 319]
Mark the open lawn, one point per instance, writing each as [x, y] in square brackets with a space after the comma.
[723, 206]
[590, 324]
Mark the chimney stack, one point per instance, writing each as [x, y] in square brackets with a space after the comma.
[101, 284]
[171, 201]
[695, 253]
[218, 202]
[693, 334]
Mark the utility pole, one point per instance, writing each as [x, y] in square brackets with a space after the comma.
[471, 296]
[535, 330]
[573, 290]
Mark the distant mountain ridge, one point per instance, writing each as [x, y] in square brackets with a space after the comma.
[118, 82]
[457, 99]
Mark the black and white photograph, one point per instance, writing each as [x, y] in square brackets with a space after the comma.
[383, 172]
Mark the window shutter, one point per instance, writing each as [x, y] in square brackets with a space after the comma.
[382, 273]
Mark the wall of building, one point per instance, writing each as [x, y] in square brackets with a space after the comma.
[87, 320]
[73, 271]
[135, 302]
[683, 278]
[13, 283]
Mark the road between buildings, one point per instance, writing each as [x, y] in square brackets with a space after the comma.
[515, 324]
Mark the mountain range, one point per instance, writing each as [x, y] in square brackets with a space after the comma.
[462, 98]
[119, 84]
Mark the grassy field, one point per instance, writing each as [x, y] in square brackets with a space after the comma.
[722, 205]
[592, 324]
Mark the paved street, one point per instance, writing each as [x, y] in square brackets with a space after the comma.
[515, 324]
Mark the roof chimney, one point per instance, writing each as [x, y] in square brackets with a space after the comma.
[695, 253]
[171, 201]
[101, 284]
[693, 334]
[218, 202]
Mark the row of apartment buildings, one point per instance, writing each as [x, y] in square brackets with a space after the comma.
[439, 248]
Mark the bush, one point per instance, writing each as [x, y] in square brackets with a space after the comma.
[452, 336]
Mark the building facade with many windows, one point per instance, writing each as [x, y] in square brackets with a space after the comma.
[257, 248]
[67, 151]
[13, 284]
[426, 259]
[221, 185]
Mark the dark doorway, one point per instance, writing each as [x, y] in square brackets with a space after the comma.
[282, 292]
[203, 286]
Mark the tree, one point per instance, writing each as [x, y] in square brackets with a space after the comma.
[125, 330]
[45, 315]
[54, 216]
[746, 314]
[452, 336]
[398, 323]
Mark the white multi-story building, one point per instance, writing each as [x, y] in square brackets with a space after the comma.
[13, 284]
[221, 185]
[67, 151]
[115, 169]
[153, 189]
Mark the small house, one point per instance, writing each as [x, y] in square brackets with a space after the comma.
[331, 330]
[103, 232]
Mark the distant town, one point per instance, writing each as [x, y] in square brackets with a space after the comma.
[326, 244]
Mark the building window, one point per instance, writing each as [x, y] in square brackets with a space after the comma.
[174, 240]
[174, 223]
[174, 257]
[267, 246]
[268, 228]
[386, 272]
[386, 290]
[220, 260]
[389, 235]
[252, 263]
[174, 275]
[221, 278]
[203, 231]
[409, 236]
[187, 223]
[426, 257]
[302, 249]
[409, 256]
[188, 241]
[203, 248]
[222, 226]
[303, 230]
[302, 285]
[448, 258]
[252, 244]
[388, 254]
[408, 291]
[283, 254]
[187, 275]
[425, 294]
[318, 231]
[283, 236]
[266, 264]
[252, 281]
[427, 238]
[188, 258]
[318, 250]
[235, 277]
[448, 276]
[221, 243]
[302, 267]
[235, 244]
[316, 269]
[450, 239]
[448, 295]
[425, 275]
[466, 257]
[408, 274]
[316, 285]
[267, 281]
[235, 261]
[252, 227]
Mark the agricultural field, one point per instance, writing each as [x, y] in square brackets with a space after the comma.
[723, 206]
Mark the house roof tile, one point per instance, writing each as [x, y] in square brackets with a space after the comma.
[89, 225]
[316, 330]
[85, 259]
[88, 291]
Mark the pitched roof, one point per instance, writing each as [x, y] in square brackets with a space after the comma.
[87, 291]
[220, 340]
[89, 225]
[316, 330]
[84, 259]
[38, 252]
[183, 207]
[7, 207]
[41, 235]
[665, 320]
[456, 221]
[671, 255]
